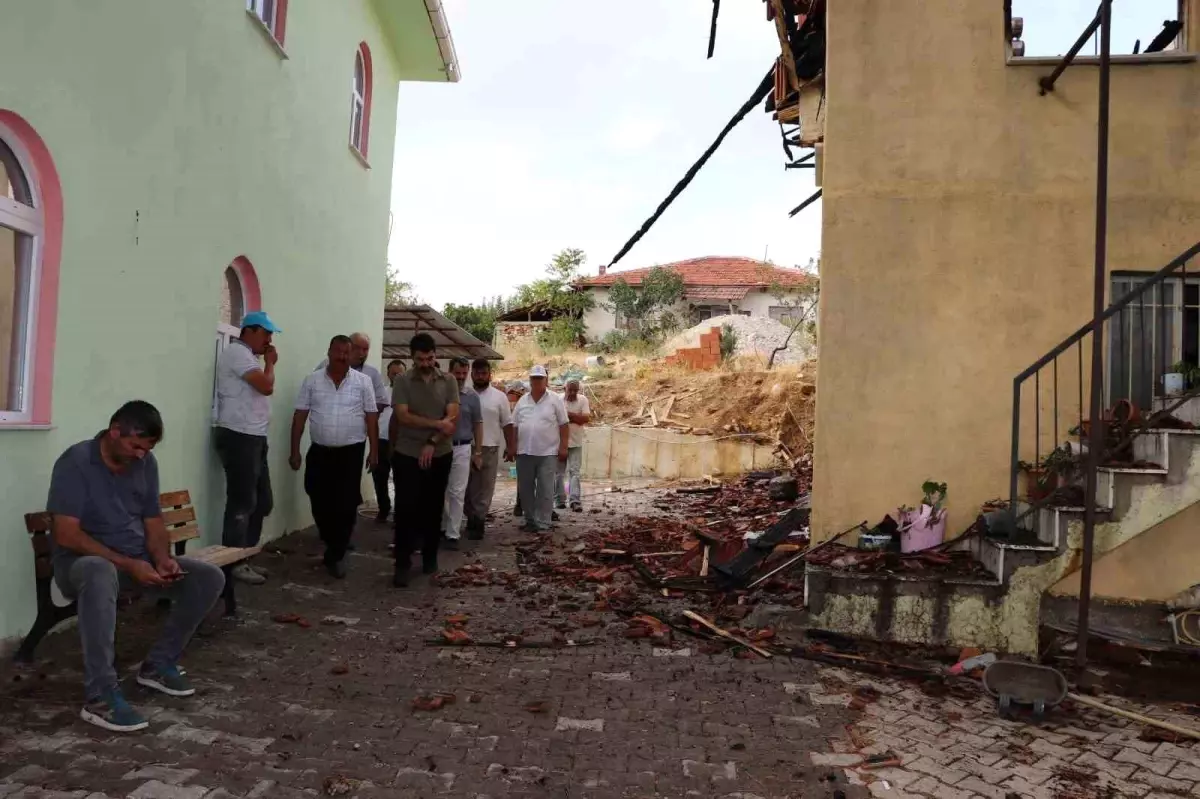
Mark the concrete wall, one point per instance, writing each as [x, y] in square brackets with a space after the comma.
[613, 453]
[184, 140]
[600, 320]
[957, 247]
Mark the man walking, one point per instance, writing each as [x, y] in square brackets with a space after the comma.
[340, 404]
[244, 388]
[425, 404]
[108, 531]
[383, 469]
[541, 423]
[360, 348]
[497, 432]
[467, 454]
[579, 413]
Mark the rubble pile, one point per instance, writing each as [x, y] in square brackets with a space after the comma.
[951, 563]
[757, 337]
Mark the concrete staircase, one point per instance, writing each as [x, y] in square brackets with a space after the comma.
[1040, 562]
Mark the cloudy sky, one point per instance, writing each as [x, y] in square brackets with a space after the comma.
[569, 128]
[573, 121]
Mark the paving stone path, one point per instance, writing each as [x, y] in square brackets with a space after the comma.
[326, 710]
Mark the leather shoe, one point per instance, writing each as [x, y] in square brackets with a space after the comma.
[336, 569]
[400, 576]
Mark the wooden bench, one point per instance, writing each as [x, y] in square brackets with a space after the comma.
[179, 516]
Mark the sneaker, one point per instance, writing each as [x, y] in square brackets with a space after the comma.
[165, 679]
[400, 576]
[554, 515]
[259, 570]
[243, 573]
[576, 507]
[111, 712]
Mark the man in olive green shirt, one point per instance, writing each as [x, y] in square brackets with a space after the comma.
[424, 418]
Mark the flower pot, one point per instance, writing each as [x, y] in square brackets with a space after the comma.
[1040, 484]
[918, 531]
[1173, 383]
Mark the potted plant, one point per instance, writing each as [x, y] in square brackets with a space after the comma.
[1176, 379]
[926, 527]
[1045, 477]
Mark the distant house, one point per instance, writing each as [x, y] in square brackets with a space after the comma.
[713, 286]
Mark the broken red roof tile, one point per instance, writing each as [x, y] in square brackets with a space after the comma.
[712, 271]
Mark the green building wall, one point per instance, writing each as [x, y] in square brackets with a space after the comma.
[183, 139]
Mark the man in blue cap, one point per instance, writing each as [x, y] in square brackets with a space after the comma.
[244, 389]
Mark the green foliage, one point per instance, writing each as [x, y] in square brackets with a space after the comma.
[478, 320]
[555, 290]
[647, 310]
[728, 341]
[934, 495]
[801, 303]
[398, 292]
[563, 333]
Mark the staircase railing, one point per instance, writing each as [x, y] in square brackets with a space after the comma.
[1143, 326]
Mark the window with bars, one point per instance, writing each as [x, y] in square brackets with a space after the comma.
[1150, 335]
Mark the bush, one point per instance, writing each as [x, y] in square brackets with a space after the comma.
[728, 341]
[563, 333]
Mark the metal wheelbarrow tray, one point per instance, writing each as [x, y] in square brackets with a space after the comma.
[1015, 683]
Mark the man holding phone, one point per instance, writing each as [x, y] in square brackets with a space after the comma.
[108, 531]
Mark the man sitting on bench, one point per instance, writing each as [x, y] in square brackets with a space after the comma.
[108, 531]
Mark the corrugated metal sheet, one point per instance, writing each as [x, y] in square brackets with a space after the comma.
[400, 324]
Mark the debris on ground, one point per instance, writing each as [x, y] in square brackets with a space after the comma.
[757, 337]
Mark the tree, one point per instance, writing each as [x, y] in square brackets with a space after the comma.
[801, 302]
[648, 309]
[557, 293]
[478, 320]
[398, 292]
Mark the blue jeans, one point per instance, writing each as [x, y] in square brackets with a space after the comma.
[94, 582]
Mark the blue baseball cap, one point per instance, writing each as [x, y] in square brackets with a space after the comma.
[260, 319]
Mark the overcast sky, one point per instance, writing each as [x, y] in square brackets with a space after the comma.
[573, 121]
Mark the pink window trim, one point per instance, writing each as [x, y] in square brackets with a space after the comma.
[49, 190]
[280, 20]
[368, 71]
[251, 292]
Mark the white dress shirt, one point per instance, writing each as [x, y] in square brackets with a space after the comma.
[496, 415]
[382, 394]
[240, 407]
[385, 416]
[538, 423]
[337, 415]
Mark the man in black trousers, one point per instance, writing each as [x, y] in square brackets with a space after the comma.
[339, 403]
[424, 418]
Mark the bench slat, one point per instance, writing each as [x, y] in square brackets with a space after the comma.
[39, 522]
[174, 499]
[185, 533]
[178, 516]
[223, 556]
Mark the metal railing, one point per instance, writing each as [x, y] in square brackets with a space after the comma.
[1145, 329]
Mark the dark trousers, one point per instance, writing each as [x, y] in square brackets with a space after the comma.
[248, 496]
[420, 495]
[331, 480]
[380, 475]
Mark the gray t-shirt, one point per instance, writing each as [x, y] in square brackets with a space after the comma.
[469, 412]
[428, 399]
[239, 405]
[110, 506]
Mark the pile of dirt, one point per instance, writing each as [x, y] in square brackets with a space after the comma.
[757, 337]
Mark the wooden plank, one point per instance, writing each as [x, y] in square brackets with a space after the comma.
[174, 499]
[186, 533]
[696, 617]
[178, 516]
[39, 522]
[667, 409]
[218, 555]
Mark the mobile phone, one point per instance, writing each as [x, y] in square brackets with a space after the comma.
[179, 575]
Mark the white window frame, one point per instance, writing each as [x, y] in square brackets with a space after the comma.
[358, 103]
[256, 7]
[225, 336]
[31, 222]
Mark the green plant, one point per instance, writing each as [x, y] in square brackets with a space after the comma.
[1060, 462]
[801, 303]
[397, 292]
[728, 341]
[563, 333]
[1190, 372]
[601, 373]
[934, 495]
[478, 320]
[647, 309]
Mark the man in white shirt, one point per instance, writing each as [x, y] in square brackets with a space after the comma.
[579, 413]
[340, 404]
[383, 469]
[467, 454]
[360, 348]
[243, 416]
[497, 432]
[541, 428]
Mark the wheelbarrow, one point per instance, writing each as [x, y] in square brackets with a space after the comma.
[1015, 683]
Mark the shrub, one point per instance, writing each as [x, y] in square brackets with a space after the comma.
[728, 341]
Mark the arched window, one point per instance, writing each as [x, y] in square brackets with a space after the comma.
[233, 305]
[360, 101]
[272, 14]
[30, 246]
[240, 294]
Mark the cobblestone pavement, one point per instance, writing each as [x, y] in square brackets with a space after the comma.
[955, 747]
[283, 710]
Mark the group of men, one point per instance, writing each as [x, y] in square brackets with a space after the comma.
[439, 437]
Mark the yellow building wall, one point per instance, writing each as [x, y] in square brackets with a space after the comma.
[1152, 567]
[957, 245]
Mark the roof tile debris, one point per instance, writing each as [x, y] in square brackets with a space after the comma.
[712, 271]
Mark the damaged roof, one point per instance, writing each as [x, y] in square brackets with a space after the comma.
[401, 323]
[711, 272]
